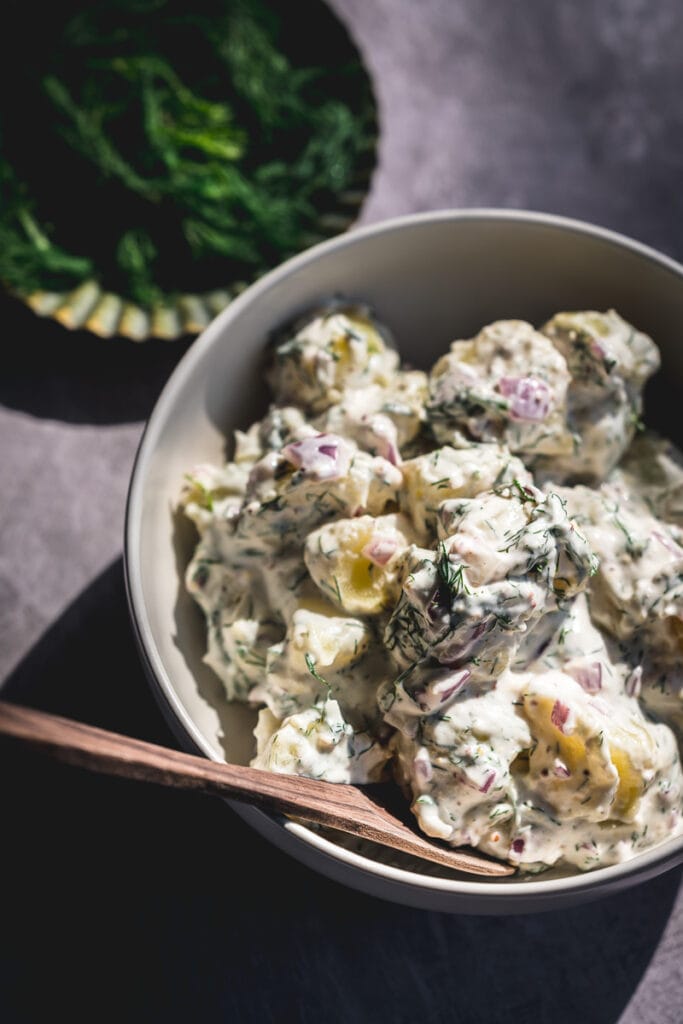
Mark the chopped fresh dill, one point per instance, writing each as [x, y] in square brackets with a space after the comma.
[310, 665]
[450, 575]
[523, 493]
[193, 143]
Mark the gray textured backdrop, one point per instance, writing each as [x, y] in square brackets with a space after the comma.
[573, 108]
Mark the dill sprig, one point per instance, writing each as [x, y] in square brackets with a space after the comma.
[450, 575]
[204, 127]
[326, 695]
[310, 665]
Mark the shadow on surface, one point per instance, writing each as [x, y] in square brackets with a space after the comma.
[86, 665]
[177, 910]
[51, 372]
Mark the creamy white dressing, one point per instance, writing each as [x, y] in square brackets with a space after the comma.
[467, 579]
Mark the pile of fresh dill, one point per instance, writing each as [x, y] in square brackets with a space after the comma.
[160, 147]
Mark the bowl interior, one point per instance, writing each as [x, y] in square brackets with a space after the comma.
[430, 278]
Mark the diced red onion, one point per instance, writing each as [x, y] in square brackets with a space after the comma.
[488, 782]
[633, 682]
[391, 454]
[384, 434]
[324, 457]
[669, 543]
[380, 550]
[530, 492]
[418, 695]
[446, 688]
[597, 349]
[559, 715]
[530, 397]
[589, 677]
[560, 769]
[434, 696]
[463, 652]
[423, 765]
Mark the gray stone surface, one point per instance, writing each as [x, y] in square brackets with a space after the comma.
[568, 107]
[62, 519]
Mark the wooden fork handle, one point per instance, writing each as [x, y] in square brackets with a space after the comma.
[114, 754]
[337, 806]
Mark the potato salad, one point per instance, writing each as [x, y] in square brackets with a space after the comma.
[468, 580]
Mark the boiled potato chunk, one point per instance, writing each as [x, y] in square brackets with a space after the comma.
[356, 562]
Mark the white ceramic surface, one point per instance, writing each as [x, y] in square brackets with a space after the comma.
[429, 277]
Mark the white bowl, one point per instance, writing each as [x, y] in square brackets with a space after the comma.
[429, 277]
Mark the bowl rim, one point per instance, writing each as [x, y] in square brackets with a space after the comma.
[295, 838]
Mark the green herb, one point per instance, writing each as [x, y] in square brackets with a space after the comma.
[201, 576]
[635, 548]
[310, 665]
[189, 141]
[298, 581]
[523, 493]
[334, 590]
[325, 554]
[500, 476]
[451, 576]
[205, 498]
[636, 421]
[250, 656]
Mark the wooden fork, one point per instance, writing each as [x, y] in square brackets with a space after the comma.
[342, 807]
